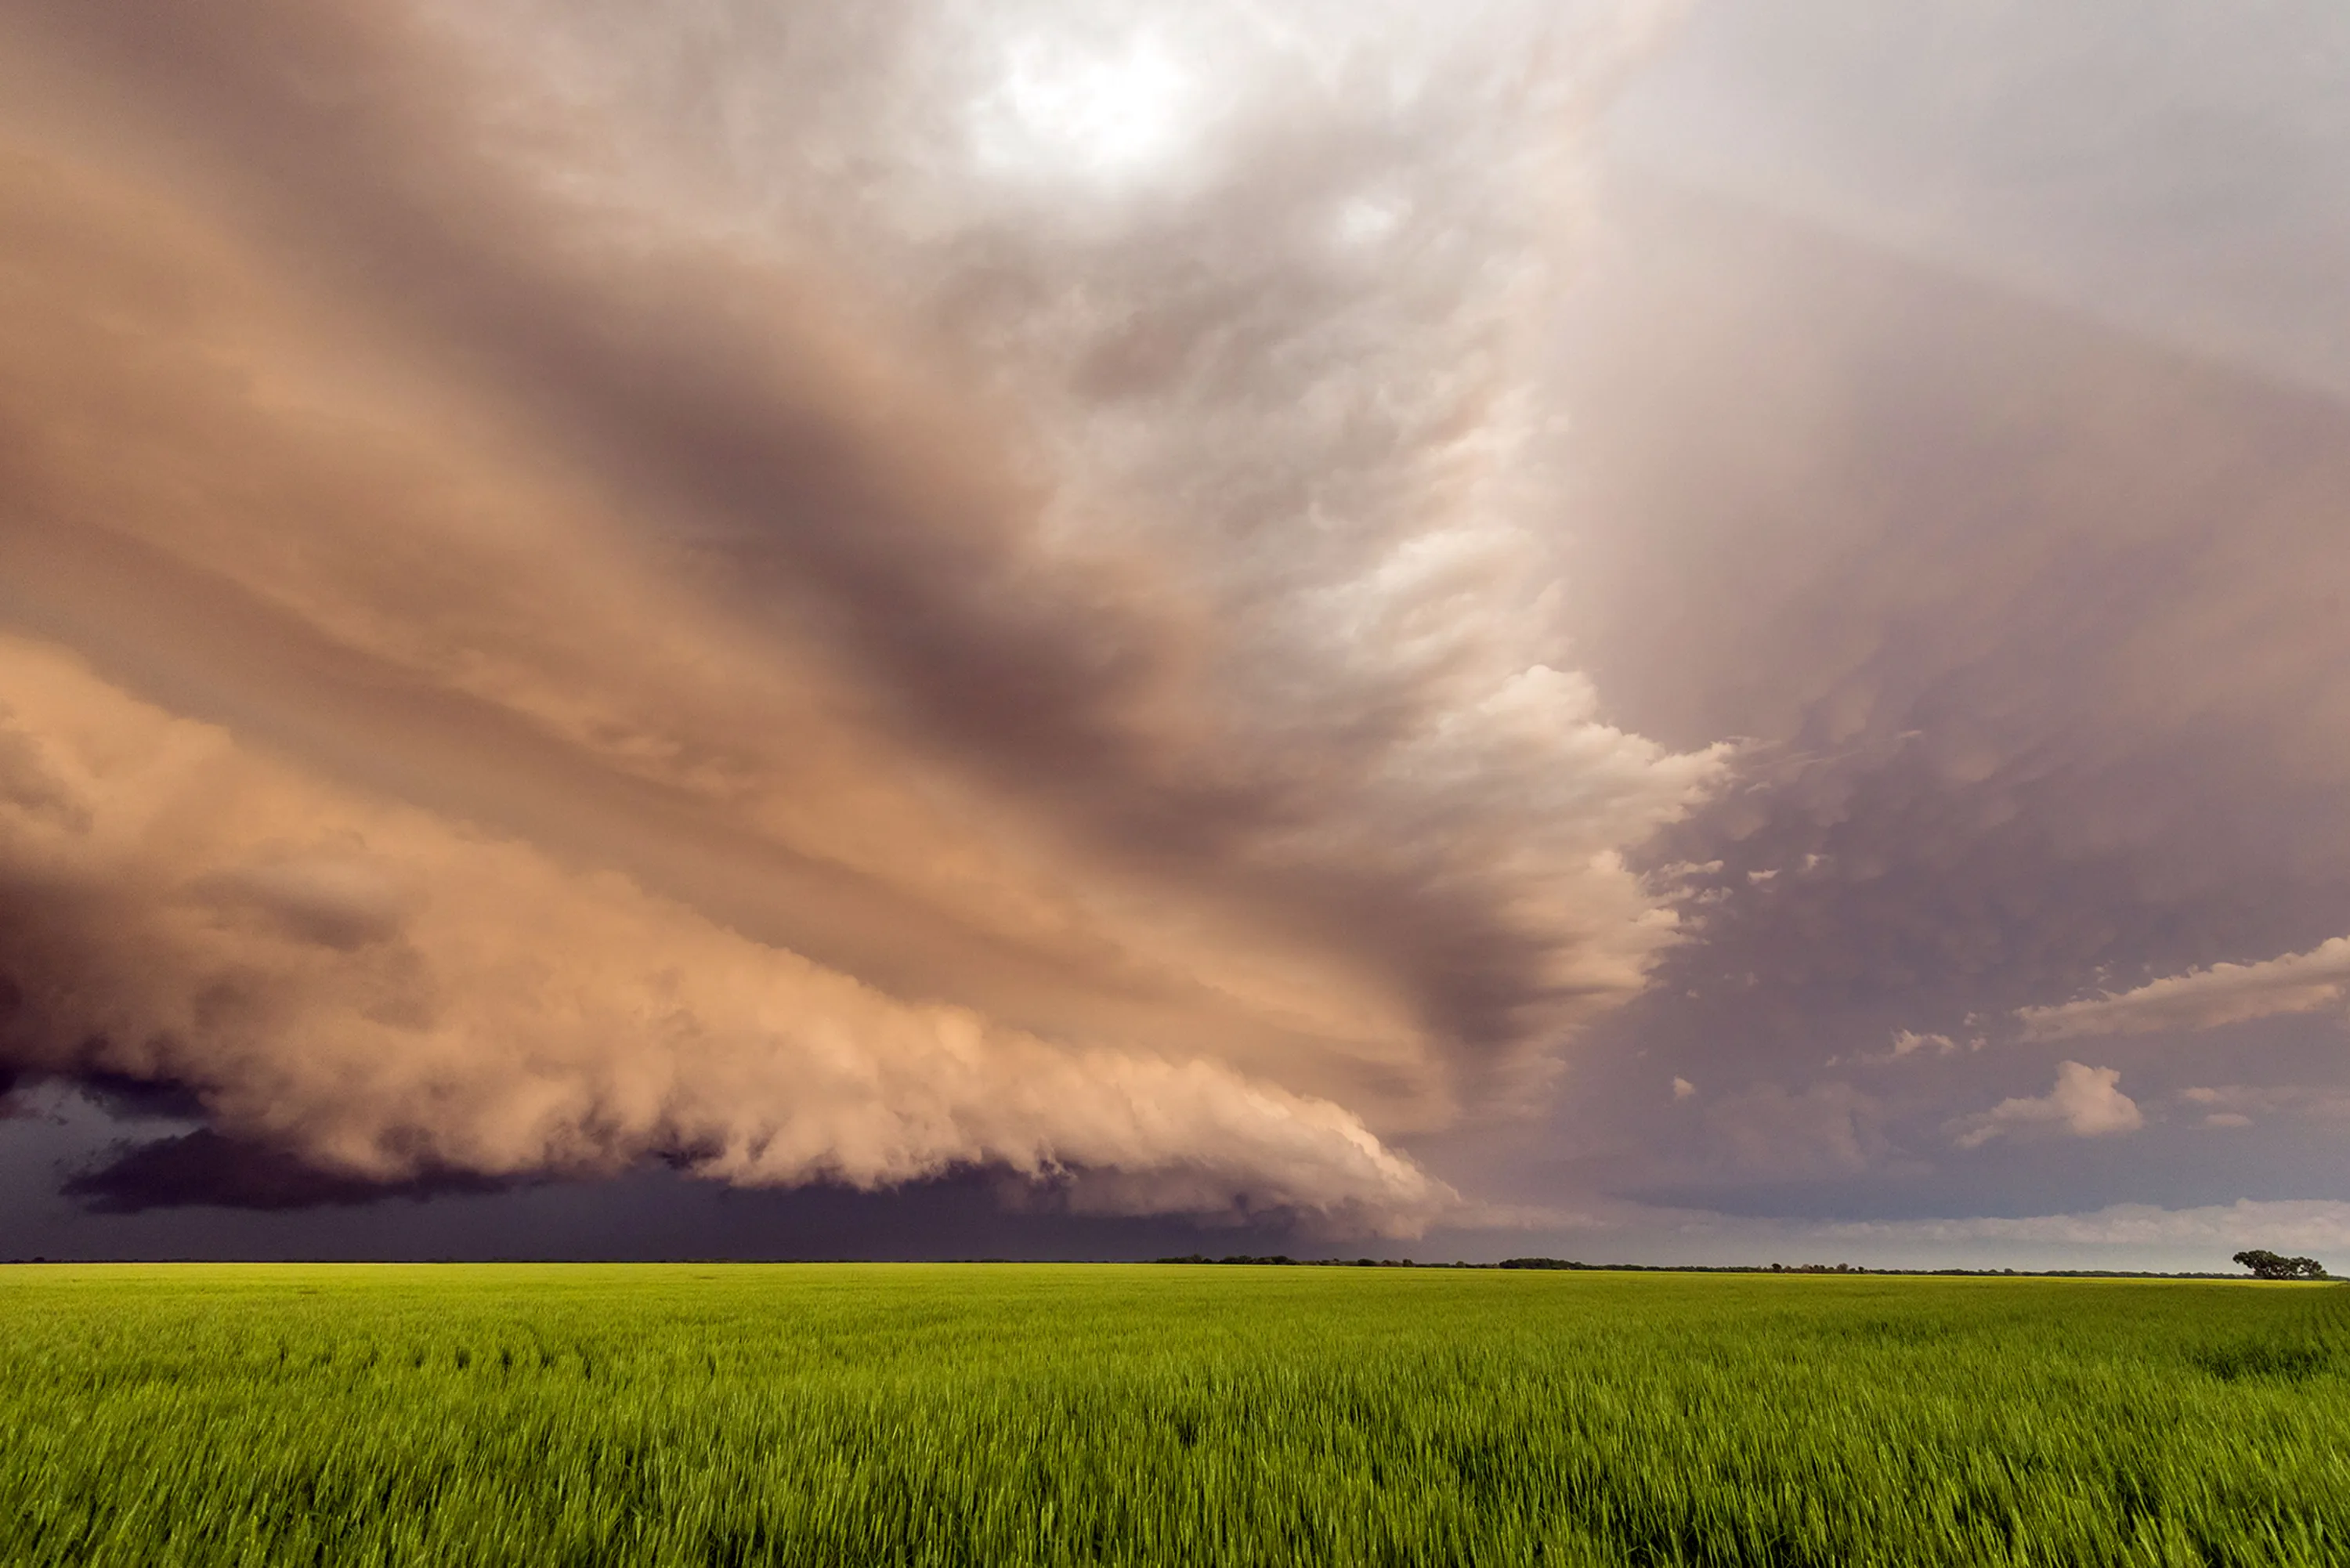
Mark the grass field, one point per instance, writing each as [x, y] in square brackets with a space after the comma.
[1010, 1414]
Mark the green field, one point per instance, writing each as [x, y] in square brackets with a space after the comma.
[1007, 1414]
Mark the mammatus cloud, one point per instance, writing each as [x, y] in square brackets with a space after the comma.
[816, 625]
[2205, 998]
[2087, 1102]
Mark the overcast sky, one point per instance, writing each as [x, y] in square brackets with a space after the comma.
[1676, 634]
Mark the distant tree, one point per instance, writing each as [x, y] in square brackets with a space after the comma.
[2268, 1265]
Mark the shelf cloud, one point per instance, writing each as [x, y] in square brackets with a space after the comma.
[822, 597]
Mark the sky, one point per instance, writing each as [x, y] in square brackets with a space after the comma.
[1666, 633]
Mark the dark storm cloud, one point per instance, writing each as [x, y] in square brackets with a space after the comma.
[204, 1169]
[537, 639]
[128, 1099]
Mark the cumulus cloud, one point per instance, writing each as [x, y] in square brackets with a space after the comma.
[2087, 1102]
[2205, 998]
[579, 587]
[1909, 1043]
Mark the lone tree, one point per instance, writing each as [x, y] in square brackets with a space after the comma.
[2267, 1265]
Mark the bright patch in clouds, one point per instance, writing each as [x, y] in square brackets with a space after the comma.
[1067, 106]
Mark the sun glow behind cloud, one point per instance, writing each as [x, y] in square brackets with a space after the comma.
[1104, 113]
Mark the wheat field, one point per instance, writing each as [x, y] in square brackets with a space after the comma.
[1079, 1414]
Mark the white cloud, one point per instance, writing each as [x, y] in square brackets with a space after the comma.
[2205, 998]
[2087, 1102]
[1908, 1043]
[1905, 1043]
[1683, 1089]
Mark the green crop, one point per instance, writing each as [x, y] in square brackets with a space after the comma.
[1012, 1414]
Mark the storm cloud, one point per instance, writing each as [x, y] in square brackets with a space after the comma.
[829, 597]
[1683, 626]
